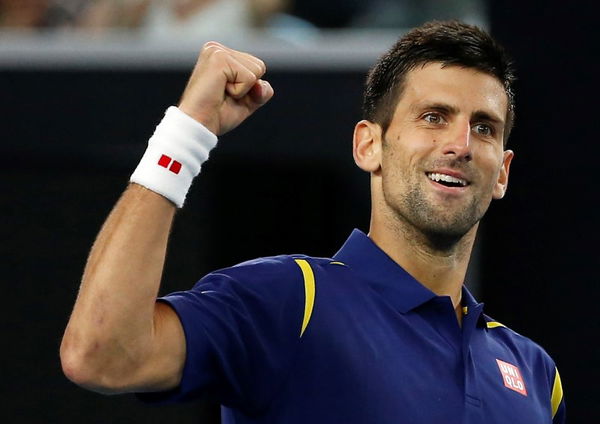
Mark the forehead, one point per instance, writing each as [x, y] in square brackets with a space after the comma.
[463, 88]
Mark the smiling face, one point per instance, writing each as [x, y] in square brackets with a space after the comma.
[441, 160]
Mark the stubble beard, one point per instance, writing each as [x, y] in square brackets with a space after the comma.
[439, 227]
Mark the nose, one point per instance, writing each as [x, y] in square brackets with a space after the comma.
[458, 142]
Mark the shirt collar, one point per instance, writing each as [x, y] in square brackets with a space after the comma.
[365, 258]
[471, 307]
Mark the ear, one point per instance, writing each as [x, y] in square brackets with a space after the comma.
[366, 146]
[502, 183]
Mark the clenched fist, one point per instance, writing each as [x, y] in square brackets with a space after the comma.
[225, 88]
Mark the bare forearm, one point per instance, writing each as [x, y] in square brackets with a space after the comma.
[112, 321]
[118, 338]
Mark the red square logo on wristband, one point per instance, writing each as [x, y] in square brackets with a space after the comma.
[175, 167]
[165, 161]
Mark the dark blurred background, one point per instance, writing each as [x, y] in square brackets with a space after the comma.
[73, 130]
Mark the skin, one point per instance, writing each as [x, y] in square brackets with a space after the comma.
[448, 120]
[118, 338]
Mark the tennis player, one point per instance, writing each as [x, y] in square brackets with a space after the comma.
[384, 331]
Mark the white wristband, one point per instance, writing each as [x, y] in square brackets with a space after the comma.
[175, 153]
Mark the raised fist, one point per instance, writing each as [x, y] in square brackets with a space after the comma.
[225, 88]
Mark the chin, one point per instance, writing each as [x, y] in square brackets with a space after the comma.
[445, 231]
[445, 236]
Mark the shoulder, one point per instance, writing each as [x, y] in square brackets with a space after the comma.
[274, 279]
[535, 357]
[273, 268]
[272, 274]
[266, 268]
[505, 332]
[520, 345]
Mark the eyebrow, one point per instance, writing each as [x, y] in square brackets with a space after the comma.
[478, 115]
[481, 115]
[441, 107]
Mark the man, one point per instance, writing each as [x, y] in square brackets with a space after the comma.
[383, 332]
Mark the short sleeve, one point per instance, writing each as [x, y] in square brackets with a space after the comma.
[242, 327]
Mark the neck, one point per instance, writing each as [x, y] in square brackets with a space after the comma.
[439, 266]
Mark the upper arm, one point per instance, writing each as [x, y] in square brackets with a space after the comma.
[233, 333]
[162, 367]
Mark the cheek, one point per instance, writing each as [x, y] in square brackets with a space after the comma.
[488, 157]
[492, 170]
[404, 152]
[394, 163]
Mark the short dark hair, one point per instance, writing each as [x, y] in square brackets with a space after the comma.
[447, 42]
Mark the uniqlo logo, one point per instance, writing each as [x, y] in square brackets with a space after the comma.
[512, 377]
[166, 162]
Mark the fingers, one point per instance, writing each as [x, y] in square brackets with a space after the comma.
[251, 63]
[241, 70]
[260, 93]
[225, 88]
[240, 78]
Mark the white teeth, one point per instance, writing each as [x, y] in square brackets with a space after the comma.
[447, 178]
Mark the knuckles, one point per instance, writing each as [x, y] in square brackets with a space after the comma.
[213, 50]
[262, 66]
[210, 45]
[210, 49]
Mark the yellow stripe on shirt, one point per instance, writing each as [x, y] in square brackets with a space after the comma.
[309, 291]
[557, 393]
[494, 324]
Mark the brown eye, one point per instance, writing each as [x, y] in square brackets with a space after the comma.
[483, 129]
[433, 118]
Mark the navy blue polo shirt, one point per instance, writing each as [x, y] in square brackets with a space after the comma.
[354, 339]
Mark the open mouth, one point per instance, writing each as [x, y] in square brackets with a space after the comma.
[447, 180]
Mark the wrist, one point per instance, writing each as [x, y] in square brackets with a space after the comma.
[210, 121]
[174, 156]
